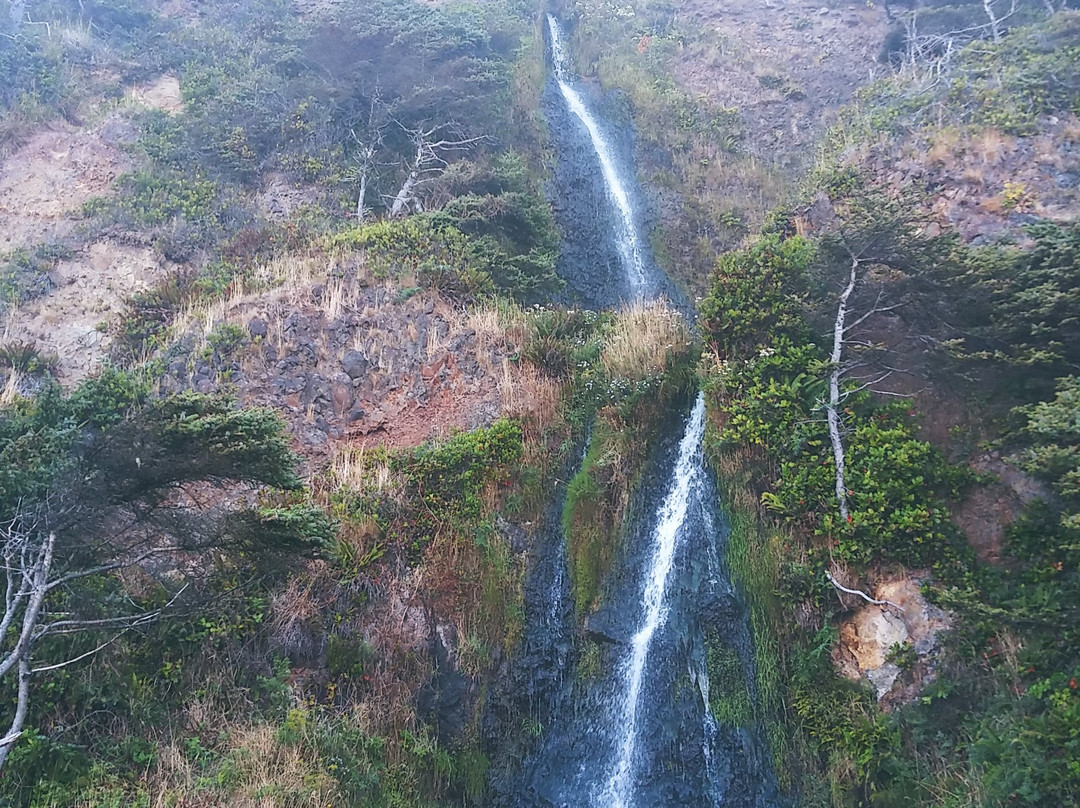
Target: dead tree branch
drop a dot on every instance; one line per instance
(428, 162)
(861, 594)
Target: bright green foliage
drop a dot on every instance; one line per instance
(446, 479)
(756, 294)
(589, 524)
(771, 385)
(436, 254)
(767, 390)
(730, 701)
(1053, 430)
(38, 436)
(894, 483)
(477, 244)
(510, 228)
(1031, 72)
(105, 456)
(513, 237)
(771, 397)
(226, 339)
(1037, 759)
(184, 206)
(1008, 85)
(839, 717)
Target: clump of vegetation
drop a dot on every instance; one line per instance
(769, 380)
(27, 358)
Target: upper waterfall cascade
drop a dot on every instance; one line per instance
(629, 244)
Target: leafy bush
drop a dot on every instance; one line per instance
(1021, 305)
(446, 479)
(756, 295)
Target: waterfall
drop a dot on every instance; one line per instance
(634, 736)
(685, 483)
(630, 248)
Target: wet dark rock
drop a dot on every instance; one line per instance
(518, 538)
(606, 625)
(446, 699)
(719, 607)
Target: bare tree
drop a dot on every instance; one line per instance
(33, 573)
(878, 235)
(369, 144)
(138, 495)
(429, 160)
(995, 20)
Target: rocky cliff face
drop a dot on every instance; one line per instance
(351, 365)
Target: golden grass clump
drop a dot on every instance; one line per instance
(365, 471)
(264, 771)
(990, 145)
(642, 339)
(9, 393)
(497, 323)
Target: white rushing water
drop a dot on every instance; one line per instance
(686, 479)
(630, 247)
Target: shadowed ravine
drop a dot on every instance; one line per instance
(640, 733)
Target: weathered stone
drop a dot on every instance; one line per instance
(604, 625)
(355, 364)
(257, 328)
(342, 396)
(518, 538)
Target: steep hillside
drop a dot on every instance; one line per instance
(310, 495)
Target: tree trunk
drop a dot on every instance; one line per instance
(405, 195)
(42, 568)
(360, 199)
(15, 730)
(831, 409)
(994, 28)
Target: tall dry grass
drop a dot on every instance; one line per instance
(364, 471)
(10, 391)
(263, 772)
(643, 337)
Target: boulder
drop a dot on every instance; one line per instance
(355, 364)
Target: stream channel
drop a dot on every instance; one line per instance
(639, 735)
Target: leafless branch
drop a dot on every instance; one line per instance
(860, 593)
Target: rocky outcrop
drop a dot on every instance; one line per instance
(382, 370)
(894, 650)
